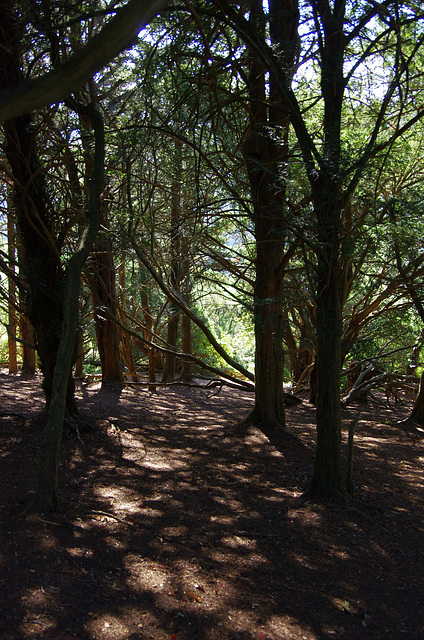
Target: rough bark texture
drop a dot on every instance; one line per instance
(47, 490)
(266, 154)
(40, 258)
(40, 261)
(417, 414)
(327, 194)
(327, 477)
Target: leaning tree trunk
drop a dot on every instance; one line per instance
(47, 496)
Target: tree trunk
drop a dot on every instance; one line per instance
(127, 354)
(47, 491)
(29, 360)
(417, 414)
(186, 346)
(39, 259)
(169, 373)
(103, 291)
(13, 316)
(266, 154)
(327, 475)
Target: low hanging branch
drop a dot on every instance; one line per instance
(174, 297)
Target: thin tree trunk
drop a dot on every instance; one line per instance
(29, 354)
(186, 346)
(169, 373)
(127, 355)
(47, 491)
(13, 316)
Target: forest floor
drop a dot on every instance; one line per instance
(173, 526)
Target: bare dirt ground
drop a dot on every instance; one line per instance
(174, 527)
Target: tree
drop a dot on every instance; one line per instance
(338, 31)
(53, 288)
(266, 155)
(118, 34)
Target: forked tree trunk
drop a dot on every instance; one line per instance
(47, 490)
(266, 154)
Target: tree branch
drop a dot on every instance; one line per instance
(118, 34)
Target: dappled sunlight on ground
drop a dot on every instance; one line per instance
(174, 527)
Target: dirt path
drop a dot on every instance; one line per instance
(173, 527)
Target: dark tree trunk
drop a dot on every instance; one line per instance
(47, 491)
(417, 414)
(169, 373)
(266, 155)
(40, 256)
(13, 314)
(327, 476)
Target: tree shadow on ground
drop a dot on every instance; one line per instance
(174, 527)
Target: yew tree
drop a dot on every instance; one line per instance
(344, 40)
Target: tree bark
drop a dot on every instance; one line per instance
(47, 491)
(327, 476)
(125, 339)
(105, 304)
(266, 155)
(13, 318)
(169, 372)
(417, 414)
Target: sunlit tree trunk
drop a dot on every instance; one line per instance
(29, 354)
